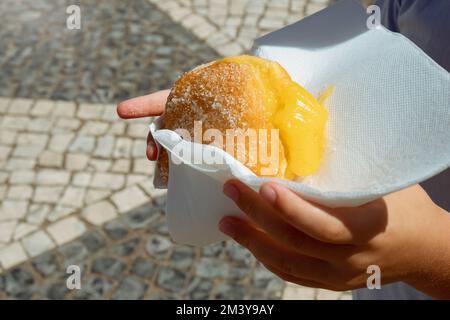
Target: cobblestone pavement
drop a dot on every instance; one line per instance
(230, 26)
(75, 186)
(124, 49)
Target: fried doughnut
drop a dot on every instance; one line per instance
(249, 94)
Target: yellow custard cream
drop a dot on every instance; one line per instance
(296, 113)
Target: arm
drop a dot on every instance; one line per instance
(404, 233)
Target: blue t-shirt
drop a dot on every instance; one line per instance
(427, 24)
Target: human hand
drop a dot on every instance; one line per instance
(145, 106)
(405, 234)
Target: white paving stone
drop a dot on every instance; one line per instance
(42, 108)
(13, 209)
(52, 177)
(323, 294)
(37, 243)
(76, 161)
(295, 292)
(3, 189)
(8, 137)
(121, 166)
(94, 128)
(130, 198)
(20, 164)
(23, 229)
(105, 146)
(64, 109)
(81, 179)
(60, 142)
(60, 211)
(99, 165)
(4, 104)
(73, 196)
(3, 176)
(149, 188)
(20, 192)
(122, 148)
(50, 158)
(12, 255)
(90, 111)
(5, 152)
(40, 125)
(66, 230)
(15, 122)
(37, 213)
(20, 106)
(7, 230)
(139, 148)
(94, 195)
(117, 128)
(143, 165)
(133, 179)
(32, 139)
(68, 124)
(27, 151)
(99, 213)
(108, 181)
(83, 144)
(45, 194)
(138, 130)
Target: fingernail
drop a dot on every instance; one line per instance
(231, 192)
(227, 228)
(268, 193)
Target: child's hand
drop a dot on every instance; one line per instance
(404, 233)
(145, 106)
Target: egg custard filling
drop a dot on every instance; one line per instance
(296, 113)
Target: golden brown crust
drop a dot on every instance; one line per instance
(222, 95)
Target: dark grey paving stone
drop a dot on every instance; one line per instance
(230, 291)
(108, 266)
(158, 246)
(182, 257)
(144, 267)
(126, 248)
(95, 288)
(57, 291)
(93, 241)
(171, 279)
(73, 253)
(116, 229)
(46, 264)
(212, 268)
(124, 49)
(19, 283)
(130, 289)
(199, 288)
(142, 217)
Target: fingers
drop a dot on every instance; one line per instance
(305, 216)
(143, 106)
(265, 216)
(152, 150)
(270, 253)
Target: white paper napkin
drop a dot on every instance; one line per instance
(389, 123)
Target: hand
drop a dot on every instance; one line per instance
(145, 106)
(404, 233)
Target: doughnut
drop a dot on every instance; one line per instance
(282, 125)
